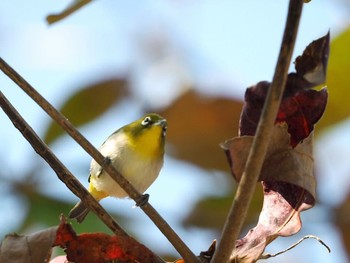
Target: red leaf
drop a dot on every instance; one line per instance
(300, 107)
(301, 112)
(100, 247)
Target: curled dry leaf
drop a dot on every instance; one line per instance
(100, 247)
(282, 162)
(31, 248)
(287, 172)
(288, 187)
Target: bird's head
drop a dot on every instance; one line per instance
(148, 133)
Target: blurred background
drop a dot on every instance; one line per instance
(113, 60)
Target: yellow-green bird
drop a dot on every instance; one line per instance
(137, 151)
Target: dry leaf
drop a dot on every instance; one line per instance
(300, 107)
(282, 162)
(288, 186)
(100, 247)
(287, 176)
(28, 249)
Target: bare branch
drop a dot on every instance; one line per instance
(240, 205)
(162, 225)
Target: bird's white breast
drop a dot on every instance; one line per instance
(139, 170)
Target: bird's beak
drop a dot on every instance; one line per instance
(162, 123)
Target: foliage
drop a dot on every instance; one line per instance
(207, 114)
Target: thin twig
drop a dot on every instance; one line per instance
(240, 205)
(71, 9)
(266, 256)
(149, 210)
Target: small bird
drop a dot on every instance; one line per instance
(136, 150)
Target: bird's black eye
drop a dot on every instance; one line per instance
(146, 121)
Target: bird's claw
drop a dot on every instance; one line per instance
(142, 200)
(107, 160)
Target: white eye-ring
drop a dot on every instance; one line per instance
(146, 121)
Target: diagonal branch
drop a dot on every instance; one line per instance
(240, 205)
(162, 225)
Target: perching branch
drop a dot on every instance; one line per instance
(245, 190)
(162, 225)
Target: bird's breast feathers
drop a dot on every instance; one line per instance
(139, 168)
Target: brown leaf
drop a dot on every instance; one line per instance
(312, 64)
(288, 185)
(197, 124)
(27, 249)
(280, 216)
(282, 162)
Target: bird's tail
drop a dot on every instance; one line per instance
(79, 212)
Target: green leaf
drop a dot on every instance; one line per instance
(88, 104)
(45, 211)
(211, 212)
(338, 79)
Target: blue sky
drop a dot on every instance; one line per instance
(219, 47)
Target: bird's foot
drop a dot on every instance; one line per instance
(107, 160)
(142, 200)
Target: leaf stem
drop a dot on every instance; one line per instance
(245, 190)
(266, 256)
(149, 210)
